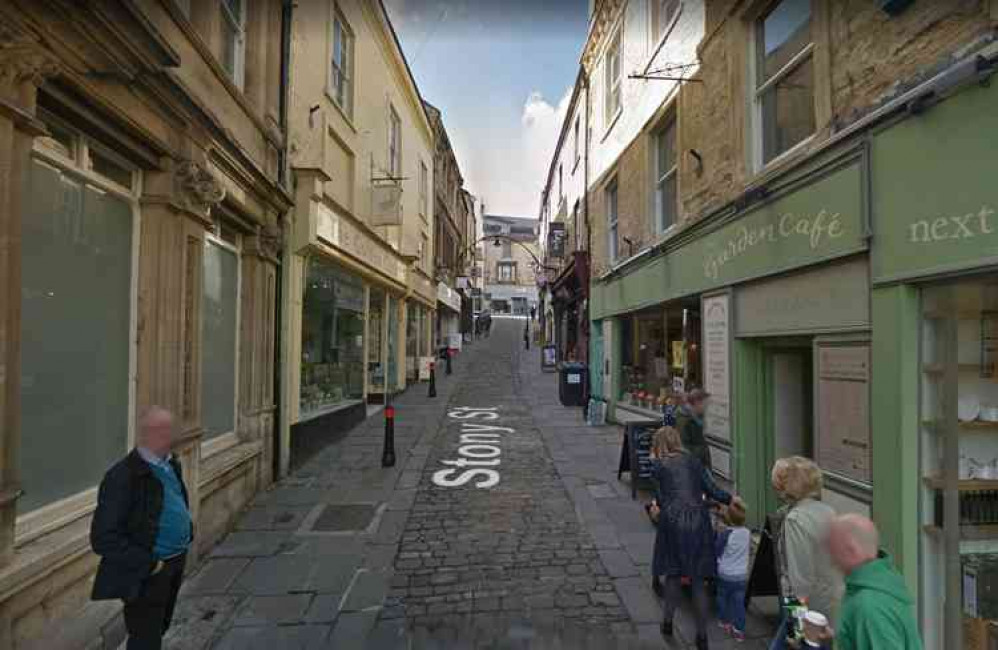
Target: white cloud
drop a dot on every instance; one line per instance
(507, 167)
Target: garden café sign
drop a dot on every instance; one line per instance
(811, 231)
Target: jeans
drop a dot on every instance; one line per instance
(674, 595)
(731, 602)
(148, 616)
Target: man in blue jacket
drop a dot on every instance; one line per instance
(142, 530)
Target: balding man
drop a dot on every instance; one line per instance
(142, 529)
(877, 611)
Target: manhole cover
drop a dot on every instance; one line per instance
(344, 517)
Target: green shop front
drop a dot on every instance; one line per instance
(766, 307)
(935, 314)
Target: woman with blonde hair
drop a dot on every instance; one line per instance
(684, 539)
(806, 571)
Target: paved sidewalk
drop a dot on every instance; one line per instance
(346, 554)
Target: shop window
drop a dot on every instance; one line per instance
(663, 13)
(411, 342)
(611, 219)
(666, 174)
(59, 140)
(341, 64)
(107, 167)
(233, 25)
(219, 336)
(376, 334)
(612, 74)
(394, 143)
(784, 78)
(332, 367)
(77, 246)
(959, 447)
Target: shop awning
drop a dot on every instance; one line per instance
(573, 282)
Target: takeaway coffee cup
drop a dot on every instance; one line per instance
(815, 628)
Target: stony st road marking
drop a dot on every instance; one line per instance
(479, 449)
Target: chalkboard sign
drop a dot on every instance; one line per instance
(635, 452)
(764, 579)
(549, 358)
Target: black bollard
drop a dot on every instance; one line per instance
(433, 380)
(388, 454)
(526, 337)
(448, 368)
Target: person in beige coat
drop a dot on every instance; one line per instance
(806, 570)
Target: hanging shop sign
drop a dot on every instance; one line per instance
(821, 221)
(716, 312)
(935, 201)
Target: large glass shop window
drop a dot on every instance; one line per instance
(75, 343)
(332, 369)
(375, 349)
(959, 448)
(411, 347)
(219, 329)
(393, 335)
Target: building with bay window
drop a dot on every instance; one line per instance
(359, 294)
(143, 213)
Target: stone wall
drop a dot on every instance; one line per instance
(862, 58)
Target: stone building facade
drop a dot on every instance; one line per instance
(510, 264)
(142, 203)
(359, 293)
(813, 144)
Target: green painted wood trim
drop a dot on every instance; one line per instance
(895, 386)
(749, 437)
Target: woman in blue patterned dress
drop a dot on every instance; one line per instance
(684, 541)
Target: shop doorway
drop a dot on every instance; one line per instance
(790, 419)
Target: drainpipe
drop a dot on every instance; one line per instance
(287, 7)
(589, 231)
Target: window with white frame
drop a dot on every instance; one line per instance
(233, 26)
(611, 220)
(341, 63)
(663, 13)
(79, 233)
(611, 71)
(506, 272)
(424, 189)
(784, 79)
(394, 143)
(219, 331)
(575, 143)
(666, 173)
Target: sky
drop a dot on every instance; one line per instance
(501, 72)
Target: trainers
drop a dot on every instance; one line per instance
(737, 634)
(724, 626)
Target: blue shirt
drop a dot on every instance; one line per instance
(174, 534)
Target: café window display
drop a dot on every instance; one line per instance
(332, 369)
(78, 232)
(659, 354)
(959, 457)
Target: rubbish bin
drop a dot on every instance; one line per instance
(572, 384)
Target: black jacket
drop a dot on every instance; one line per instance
(691, 433)
(125, 525)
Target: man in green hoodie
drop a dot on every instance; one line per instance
(876, 612)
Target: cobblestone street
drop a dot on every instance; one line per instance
(346, 554)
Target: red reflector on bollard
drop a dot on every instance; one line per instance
(389, 412)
